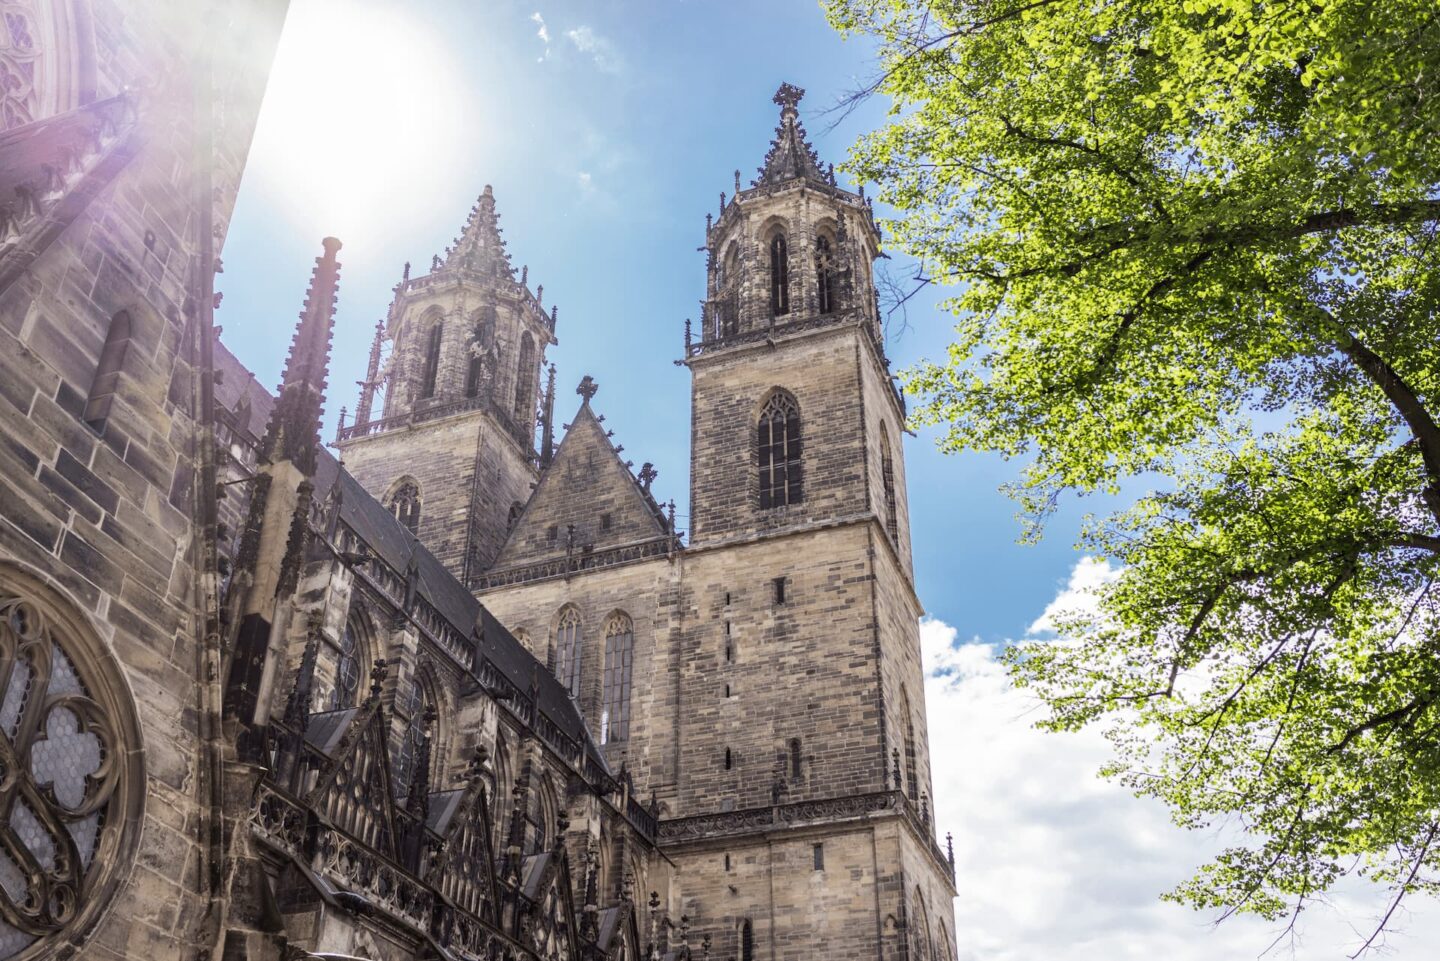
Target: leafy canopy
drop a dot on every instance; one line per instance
(1195, 243)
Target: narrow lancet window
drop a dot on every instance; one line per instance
(526, 379)
(567, 650)
(778, 438)
(619, 652)
(825, 275)
(887, 481)
(431, 371)
(779, 276)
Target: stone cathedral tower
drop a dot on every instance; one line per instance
(761, 682)
(452, 453)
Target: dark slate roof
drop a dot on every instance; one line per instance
(396, 546)
(532, 871)
(609, 924)
(326, 729)
(443, 805)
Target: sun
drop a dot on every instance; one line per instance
(365, 122)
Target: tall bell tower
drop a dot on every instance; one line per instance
(452, 452)
(798, 806)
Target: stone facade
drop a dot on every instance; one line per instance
(465, 694)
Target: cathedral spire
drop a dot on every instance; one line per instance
(791, 157)
(294, 430)
(480, 247)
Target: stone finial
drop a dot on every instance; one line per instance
(587, 388)
(405, 274)
(648, 473)
(737, 180)
(435, 263)
(377, 677)
(524, 274)
(789, 96)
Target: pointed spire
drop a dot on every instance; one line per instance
(480, 248)
(547, 419)
(791, 157)
(294, 430)
(365, 408)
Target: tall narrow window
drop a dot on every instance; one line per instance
(525, 381)
(405, 505)
(107, 372)
(795, 758)
(431, 371)
(778, 438)
(729, 759)
(619, 650)
(824, 275)
(779, 276)
(729, 303)
(887, 480)
(347, 669)
(567, 650)
(415, 741)
(472, 375)
(817, 853)
(747, 941)
(912, 774)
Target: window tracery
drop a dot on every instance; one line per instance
(405, 505)
(827, 287)
(619, 653)
(349, 661)
(74, 778)
(20, 65)
(417, 737)
(778, 439)
(430, 372)
(567, 650)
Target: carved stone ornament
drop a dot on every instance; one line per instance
(72, 775)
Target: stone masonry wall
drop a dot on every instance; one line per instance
(103, 512)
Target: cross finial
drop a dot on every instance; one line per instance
(788, 96)
(587, 388)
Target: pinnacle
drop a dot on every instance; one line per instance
(791, 156)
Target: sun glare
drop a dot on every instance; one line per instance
(365, 120)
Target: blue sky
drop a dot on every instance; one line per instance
(607, 139)
(608, 130)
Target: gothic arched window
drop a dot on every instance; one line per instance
(825, 275)
(416, 739)
(747, 941)
(728, 305)
(431, 371)
(778, 437)
(779, 275)
(547, 813)
(526, 379)
(349, 668)
(619, 651)
(887, 482)
(567, 650)
(107, 372)
(405, 505)
(472, 375)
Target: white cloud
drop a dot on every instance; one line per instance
(543, 32)
(1052, 862)
(1079, 595)
(585, 181)
(598, 48)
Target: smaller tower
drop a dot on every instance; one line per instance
(453, 450)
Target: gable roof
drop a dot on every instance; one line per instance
(588, 497)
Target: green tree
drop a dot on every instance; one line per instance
(1194, 245)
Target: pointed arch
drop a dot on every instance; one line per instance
(887, 483)
(108, 370)
(747, 940)
(568, 646)
(779, 274)
(430, 366)
(619, 654)
(404, 502)
(920, 947)
(501, 798)
(727, 321)
(777, 437)
(527, 379)
(547, 814)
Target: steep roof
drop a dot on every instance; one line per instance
(587, 498)
(791, 156)
(480, 247)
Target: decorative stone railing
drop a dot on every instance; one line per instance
(723, 824)
(576, 562)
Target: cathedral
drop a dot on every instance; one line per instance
(453, 686)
